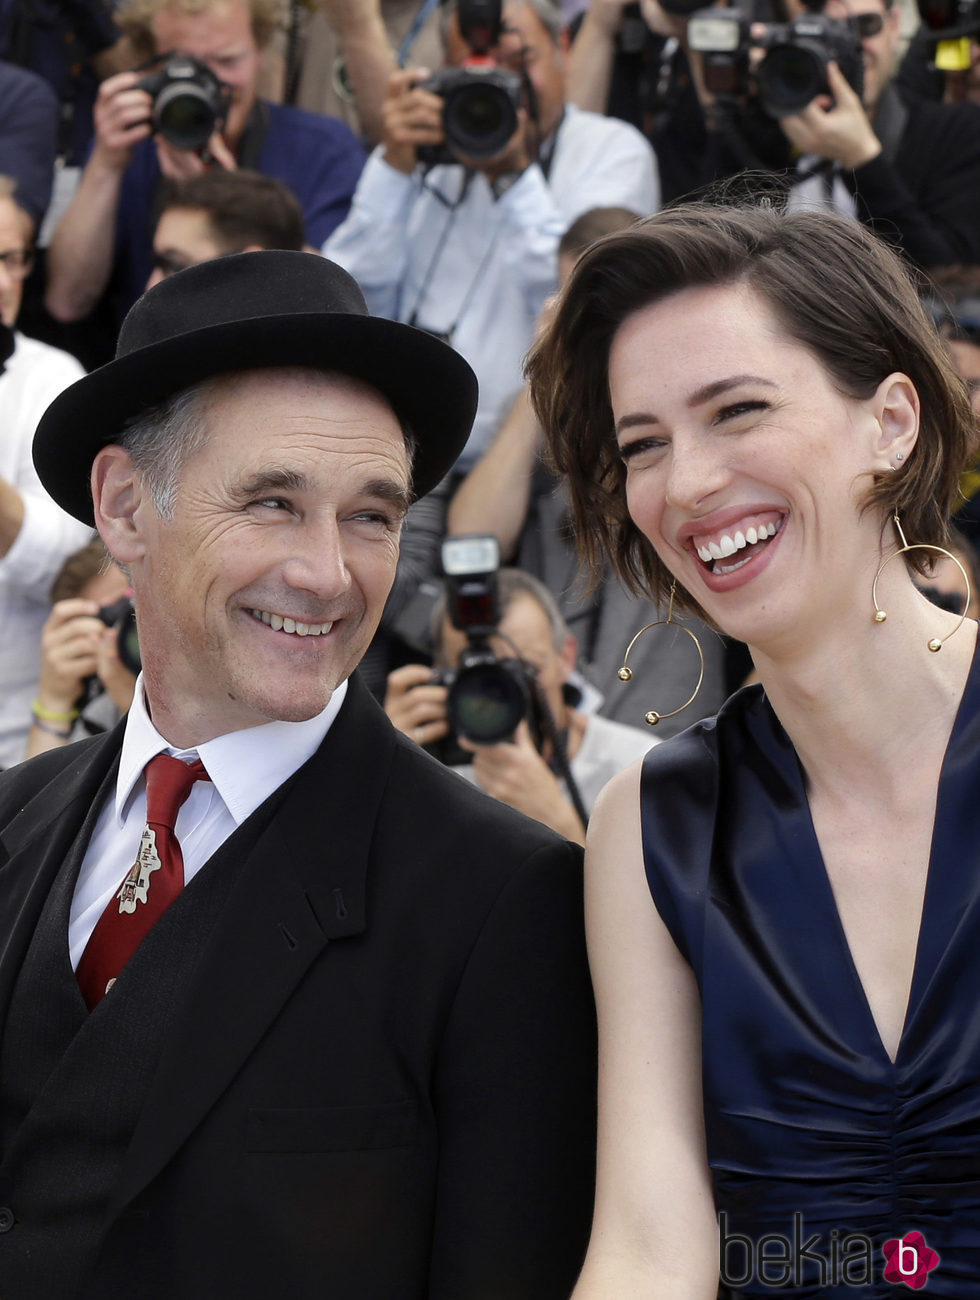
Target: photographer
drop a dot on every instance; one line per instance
(632, 61)
(515, 771)
(910, 170)
(511, 494)
(77, 645)
(106, 230)
(467, 248)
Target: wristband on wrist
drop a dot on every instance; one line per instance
(61, 732)
(49, 715)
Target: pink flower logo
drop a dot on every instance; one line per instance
(909, 1261)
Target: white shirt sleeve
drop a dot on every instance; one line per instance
(35, 375)
(371, 244)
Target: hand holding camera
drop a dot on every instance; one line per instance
(122, 119)
(435, 119)
(80, 641)
(178, 99)
(416, 703)
(834, 126)
(411, 119)
(189, 108)
(474, 114)
(514, 772)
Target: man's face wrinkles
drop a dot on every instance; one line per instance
(265, 588)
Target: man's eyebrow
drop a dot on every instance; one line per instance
(700, 395)
(273, 480)
(268, 482)
(390, 490)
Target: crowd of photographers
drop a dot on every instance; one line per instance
(456, 156)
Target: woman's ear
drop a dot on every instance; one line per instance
(895, 406)
(117, 492)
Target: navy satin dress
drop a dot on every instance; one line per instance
(816, 1140)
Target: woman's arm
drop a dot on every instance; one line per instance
(654, 1234)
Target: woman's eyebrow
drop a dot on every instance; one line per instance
(707, 393)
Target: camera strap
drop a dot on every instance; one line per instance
(430, 270)
(426, 9)
(559, 750)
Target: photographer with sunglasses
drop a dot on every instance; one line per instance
(910, 170)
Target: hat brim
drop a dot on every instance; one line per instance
(430, 387)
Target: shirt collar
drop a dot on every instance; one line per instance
(244, 766)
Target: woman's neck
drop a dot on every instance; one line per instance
(866, 701)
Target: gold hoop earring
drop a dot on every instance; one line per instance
(625, 673)
(937, 642)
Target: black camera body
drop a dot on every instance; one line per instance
(793, 70)
(479, 112)
(480, 99)
(189, 102)
(489, 697)
(122, 617)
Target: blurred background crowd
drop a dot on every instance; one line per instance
(457, 157)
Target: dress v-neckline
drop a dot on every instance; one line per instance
(926, 955)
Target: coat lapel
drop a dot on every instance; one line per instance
(301, 885)
(35, 845)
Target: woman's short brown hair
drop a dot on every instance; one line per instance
(836, 288)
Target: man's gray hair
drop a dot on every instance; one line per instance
(164, 437)
(549, 15)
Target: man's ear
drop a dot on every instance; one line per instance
(895, 406)
(117, 494)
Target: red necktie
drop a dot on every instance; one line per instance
(151, 884)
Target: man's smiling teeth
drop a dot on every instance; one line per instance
(728, 545)
(280, 624)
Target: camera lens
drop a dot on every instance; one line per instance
(184, 115)
(486, 704)
(479, 120)
(790, 76)
(129, 645)
(122, 617)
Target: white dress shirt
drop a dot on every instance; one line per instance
(245, 767)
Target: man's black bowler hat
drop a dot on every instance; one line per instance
(244, 312)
